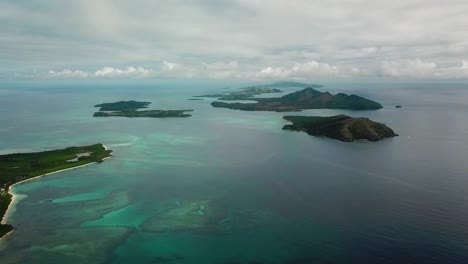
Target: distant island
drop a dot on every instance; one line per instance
(340, 127)
(249, 92)
(16, 168)
(131, 109)
(285, 84)
(308, 98)
(244, 94)
(147, 113)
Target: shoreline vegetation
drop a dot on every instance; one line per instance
(19, 168)
(131, 109)
(340, 127)
(308, 98)
(249, 92)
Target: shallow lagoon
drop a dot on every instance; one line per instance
(279, 196)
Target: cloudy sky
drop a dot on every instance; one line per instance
(238, 39)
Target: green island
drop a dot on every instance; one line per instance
(340, 127)
(308, 98)
(244, 94)
(248, 93)
(15, 168)
(131, 109)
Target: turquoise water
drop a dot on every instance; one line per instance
(229, 186)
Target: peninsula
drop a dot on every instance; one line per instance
(340, 127)
(244, 94)
(248, 93)
(308, 98)
(131, 109)
(16, 168)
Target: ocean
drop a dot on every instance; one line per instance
(262, 195)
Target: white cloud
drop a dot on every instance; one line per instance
(176, 70)
(66, 74)
(215, 70)
(236, 37)
(402, 69)
(223, 70)
(270, 72)
(305, 70)
(419, 69)
(409, 68)
(169, 66)
(130, 71)
(464, 65)
(105, 72)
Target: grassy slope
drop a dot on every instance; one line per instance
(123, 106)
(22, 166)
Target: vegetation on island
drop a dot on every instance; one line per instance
(249, 93)
(18, 167)
(131, 109)
(147, 113)
(244, 94)
(123, 106)
(307, 98)
(340, 127)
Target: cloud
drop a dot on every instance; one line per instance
(419, 69)
(68, 74)
(409, 68)
(308, 70)
(169, 66)
(224, 70)
(130, 71)
(248, 38)
(103, 73)
(214, 70)
(464, 65)
(230, 70)
(176, 70)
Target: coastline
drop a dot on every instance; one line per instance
(7, 235)
(15, 199)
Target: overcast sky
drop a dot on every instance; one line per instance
(239, 39)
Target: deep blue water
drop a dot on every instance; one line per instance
(283, 197)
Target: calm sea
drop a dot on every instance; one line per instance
(279, 197)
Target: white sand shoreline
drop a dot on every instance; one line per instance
(14, 198)
(7, 235)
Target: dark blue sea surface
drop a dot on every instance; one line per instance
(226, 186)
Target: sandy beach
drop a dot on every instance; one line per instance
(15, 199)
(7, 235)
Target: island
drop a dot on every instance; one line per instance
(245, 93)
(285, 84)
(147, 113)
(308, 98)
(249, 92)
(16, 168)
(123, 106)
(131, 109)
(340, 127)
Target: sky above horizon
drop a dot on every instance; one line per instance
(234, 40)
